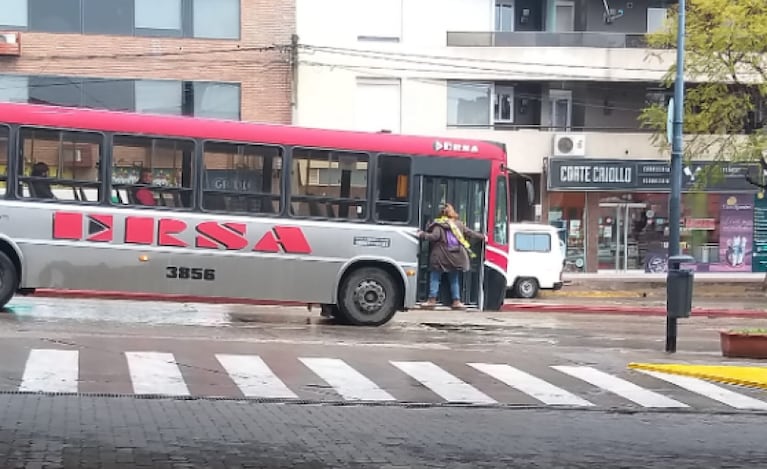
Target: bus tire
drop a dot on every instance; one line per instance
(9, 279)
(368, 297)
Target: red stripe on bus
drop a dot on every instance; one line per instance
(292, 239)
(268, 243)
(139, 230)
(67, 225)
(167, 228)
(497, 259)
(100, 228)
(211, 234)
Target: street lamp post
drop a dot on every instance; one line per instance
(676, 165)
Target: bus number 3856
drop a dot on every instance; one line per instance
(194, 273)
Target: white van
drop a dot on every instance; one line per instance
(536, 259)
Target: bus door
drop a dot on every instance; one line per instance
(469, 197)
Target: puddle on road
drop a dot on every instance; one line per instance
(47, 310)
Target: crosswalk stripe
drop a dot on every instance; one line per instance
(443, 383)
(621, 387)
(710, 390)
(254, 377)
(155, 373)
(49, 370)
(347, 381)
(531, 385)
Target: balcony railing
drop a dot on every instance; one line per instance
(546, 39)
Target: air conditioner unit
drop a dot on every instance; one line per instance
(569, 145)
(10, 43)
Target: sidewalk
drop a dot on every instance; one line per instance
(63, 432)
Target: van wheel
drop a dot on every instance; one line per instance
(368, 297)
(526, 288)
(9, 279)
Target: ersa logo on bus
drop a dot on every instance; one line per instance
(149, 231)
(445, 145)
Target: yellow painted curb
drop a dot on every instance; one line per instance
(751, 376)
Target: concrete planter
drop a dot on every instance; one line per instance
(744, 344)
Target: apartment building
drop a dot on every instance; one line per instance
(560, 82)
(211, 58)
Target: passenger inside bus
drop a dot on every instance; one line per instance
(40, 189)
(143, 195)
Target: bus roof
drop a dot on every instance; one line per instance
(247, 132)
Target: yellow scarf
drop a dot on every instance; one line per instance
(457, 233)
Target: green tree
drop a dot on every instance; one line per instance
(725, 51)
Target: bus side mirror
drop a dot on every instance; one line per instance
(530, 192)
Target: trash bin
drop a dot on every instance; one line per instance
(679, 284)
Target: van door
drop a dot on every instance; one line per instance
(469, 197)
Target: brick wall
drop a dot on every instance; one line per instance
(265, 77)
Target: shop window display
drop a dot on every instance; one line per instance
(567, 213)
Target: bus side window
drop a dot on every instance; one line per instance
(329, 184)
(392, 199)
(60, 165)
(241, 178)
(4, 156)
(150, 171)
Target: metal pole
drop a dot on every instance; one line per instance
(676, 164)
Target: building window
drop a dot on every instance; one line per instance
(152, 171)
(392, 202)
(504, 15)
(217, 100)
(378, 104)
(242, 178)
(217, 19)
(60, 165)
(329, 184)
(379, 20)
(14, 89)
(532, 242)
(561, 102)
(55, 91)
(108, 17)
(159, 97)
(158, 17)
(108, 93)
(14, 13)
(468, 104)
(504, 104)
(55, 16)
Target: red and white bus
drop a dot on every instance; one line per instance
(108, 201)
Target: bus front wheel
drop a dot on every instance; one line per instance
(9, 279)
(368, 297)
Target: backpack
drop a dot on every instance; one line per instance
(451, 241)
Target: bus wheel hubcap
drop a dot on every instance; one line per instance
(369, 296)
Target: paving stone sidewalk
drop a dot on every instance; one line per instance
(38, 431)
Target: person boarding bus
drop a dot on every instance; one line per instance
(449, 253)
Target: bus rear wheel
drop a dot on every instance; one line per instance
(368, 297)
(9, 280)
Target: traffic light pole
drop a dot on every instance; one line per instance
(675, 203)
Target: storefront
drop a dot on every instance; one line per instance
(613, 215)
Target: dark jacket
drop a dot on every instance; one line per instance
(440, 258)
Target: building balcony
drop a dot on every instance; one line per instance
(605, 40)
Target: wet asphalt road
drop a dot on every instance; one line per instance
(132, 384)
